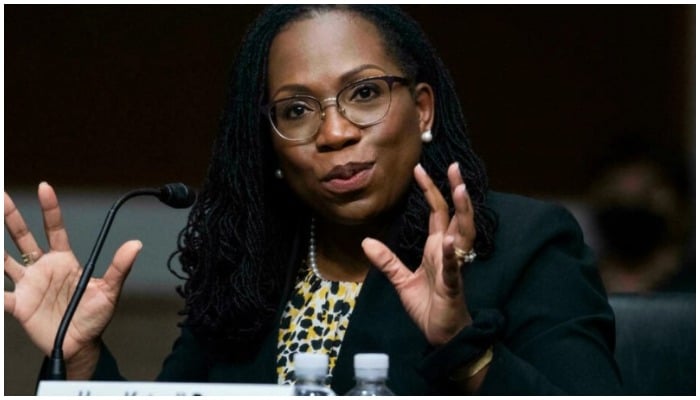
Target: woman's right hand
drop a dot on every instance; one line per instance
(43, 288)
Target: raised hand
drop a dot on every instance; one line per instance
(433, 295)
(45, 281)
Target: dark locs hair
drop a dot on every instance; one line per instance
(242, 243)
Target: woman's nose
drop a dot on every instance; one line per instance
(336, 131)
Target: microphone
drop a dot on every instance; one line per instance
(177, 195)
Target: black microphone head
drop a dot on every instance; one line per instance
(177, 195)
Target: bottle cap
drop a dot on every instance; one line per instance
(371, 365)
(310, 364)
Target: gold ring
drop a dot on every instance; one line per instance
(29, 258)
(464, 255)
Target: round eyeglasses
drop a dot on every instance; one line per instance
(364, 103)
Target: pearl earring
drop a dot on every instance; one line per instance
(279, 174)
(426, 136)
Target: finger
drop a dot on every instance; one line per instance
(53, 221)
(454, 175)
(386, 261)
(121, 265)
(13, 269)
(9, 302)
(17, 228)
(439, 211)
(452, 266)
(462, 225)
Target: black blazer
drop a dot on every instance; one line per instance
(538, 299)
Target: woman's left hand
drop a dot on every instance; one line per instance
(433, 294)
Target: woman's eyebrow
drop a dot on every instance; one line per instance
(351, 73)
(292, 87)
(346, 77)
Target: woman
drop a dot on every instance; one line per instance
(344, 212)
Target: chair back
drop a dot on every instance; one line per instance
(655, 346)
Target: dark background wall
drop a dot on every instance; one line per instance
(101, 96)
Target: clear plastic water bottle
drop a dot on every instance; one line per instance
(371, 372)
(310, 370)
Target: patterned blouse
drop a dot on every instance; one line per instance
(314, 320)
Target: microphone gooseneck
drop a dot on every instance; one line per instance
(177, 195)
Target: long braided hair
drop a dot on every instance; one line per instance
(243, 241)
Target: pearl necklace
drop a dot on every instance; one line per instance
(312, 250)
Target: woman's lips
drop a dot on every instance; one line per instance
(348, 178)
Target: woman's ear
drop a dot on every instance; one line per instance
(425, 105)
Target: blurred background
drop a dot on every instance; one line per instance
(592, 106)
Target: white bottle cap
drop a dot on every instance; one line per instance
(310, 364)
(371, 365)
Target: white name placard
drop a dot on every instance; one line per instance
(136, 388)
